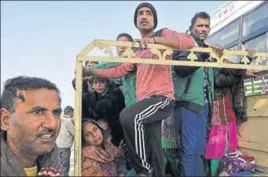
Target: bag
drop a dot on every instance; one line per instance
(233, 163)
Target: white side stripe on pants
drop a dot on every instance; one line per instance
(139, 130)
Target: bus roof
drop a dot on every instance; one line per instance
(229, 11)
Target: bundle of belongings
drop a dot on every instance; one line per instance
(233, 163)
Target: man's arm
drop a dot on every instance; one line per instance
(110, 73)
(108, 65)
(175, 40)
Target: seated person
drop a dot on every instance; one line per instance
(105, 102)
(99, 156)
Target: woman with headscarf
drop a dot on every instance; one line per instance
(99, 156)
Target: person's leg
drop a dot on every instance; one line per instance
(187, 125)
(201, 140)
(136, 121)
(214, 166)
(170, 145)
(68, 157)
(172, 161)
(206, 167)
(116, 132)
(157, 159)
(65, 154)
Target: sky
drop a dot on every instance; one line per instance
(42, 38)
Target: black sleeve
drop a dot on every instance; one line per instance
(183, 71)
(225, 78)
(85, 107)
(113, 102)
(88, 101)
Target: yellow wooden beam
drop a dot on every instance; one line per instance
(171, 62)
(78, 120)
(163, 51)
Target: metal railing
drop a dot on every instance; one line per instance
(129, 57)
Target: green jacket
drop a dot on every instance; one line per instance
(193, 91)
(191, 81)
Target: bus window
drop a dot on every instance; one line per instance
(257, 44)
(228, 34)
(255, 20)
(235, 59)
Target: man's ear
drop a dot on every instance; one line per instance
(5, 119)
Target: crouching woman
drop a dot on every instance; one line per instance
(99, 156)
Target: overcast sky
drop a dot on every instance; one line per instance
(42, 38)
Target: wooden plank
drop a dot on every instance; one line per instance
(253, 134)
(261, 158)
(253, 139)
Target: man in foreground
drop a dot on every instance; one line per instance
(30, 121)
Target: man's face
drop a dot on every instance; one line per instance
(35, 124)
(201, 29)
(121, 50)
(145, 19)
(99, 85)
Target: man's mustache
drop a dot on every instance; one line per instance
(45, 132)
(144, 21)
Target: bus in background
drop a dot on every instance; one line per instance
(240, 25)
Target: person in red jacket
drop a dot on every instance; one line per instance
(155, 98)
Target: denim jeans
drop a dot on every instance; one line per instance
(192, 129)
